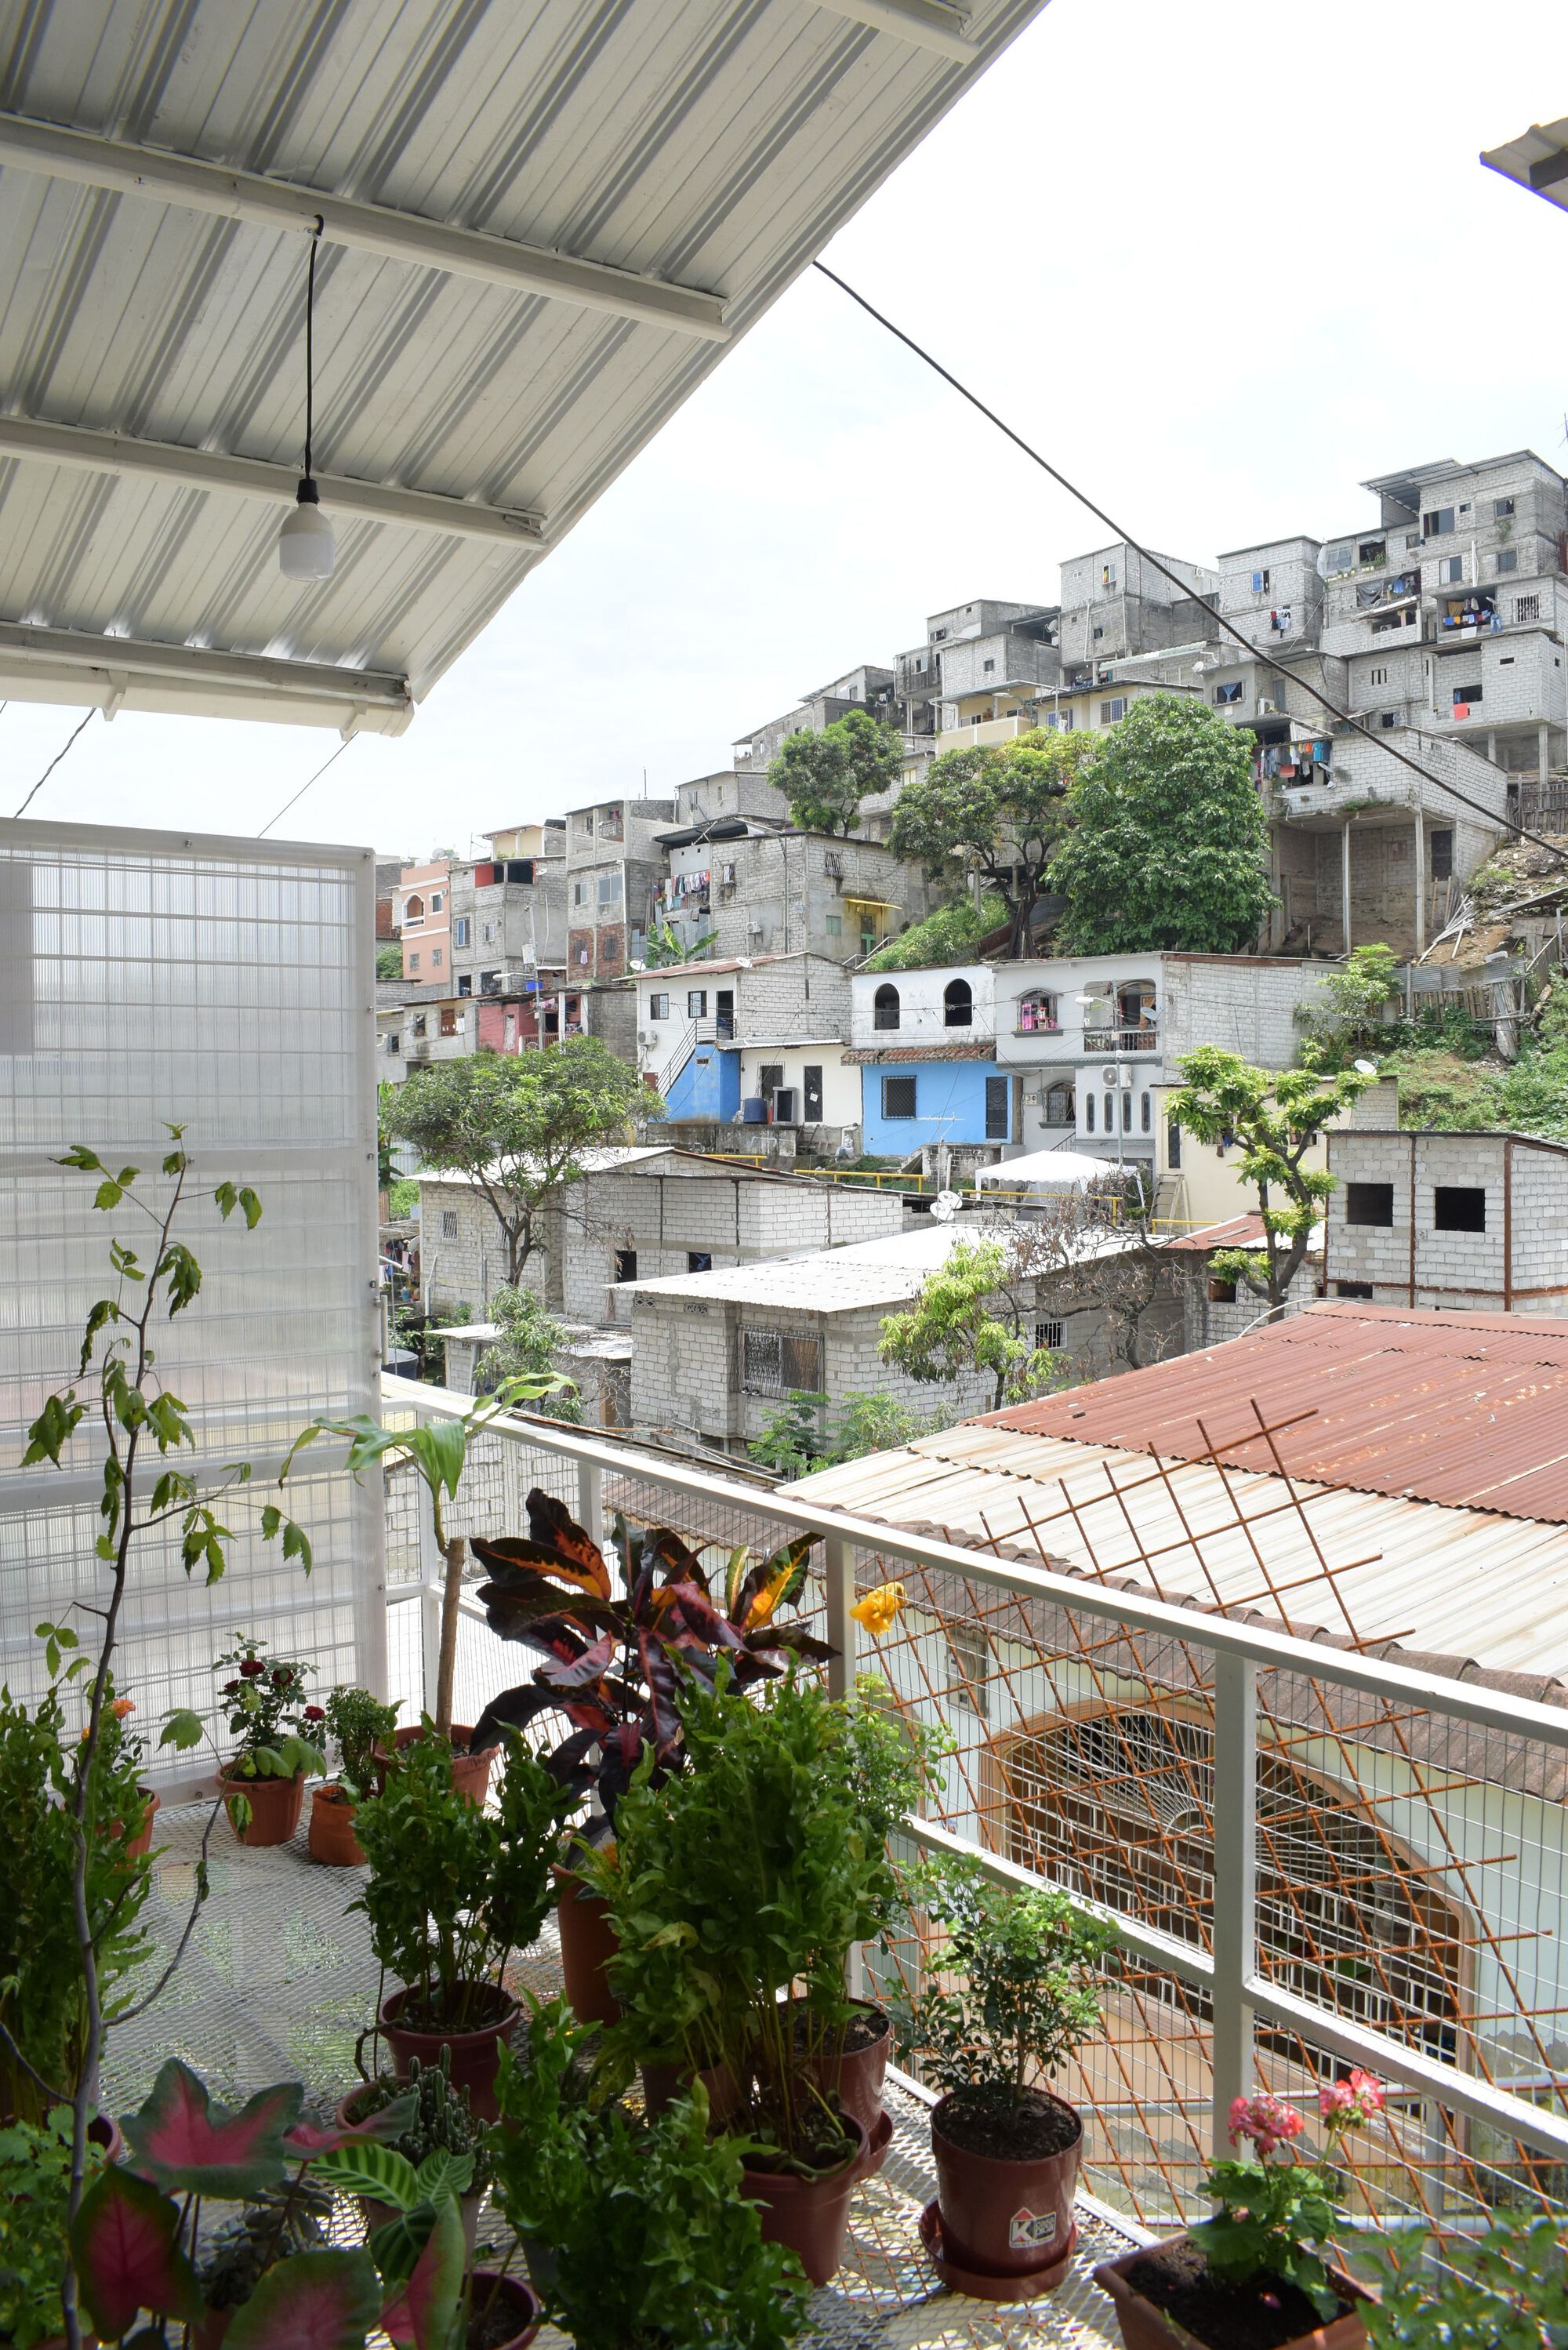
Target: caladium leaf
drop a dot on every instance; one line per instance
(125, 2247)
(378, 2171)
(185, 2143)
(423, 2316)
(772, 1585)
(313, 2301)
(389, 2121)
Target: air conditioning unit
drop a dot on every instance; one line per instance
(785, 1112)
(1267, 708)
(1109, 1076)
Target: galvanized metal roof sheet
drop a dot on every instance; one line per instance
(706, 145)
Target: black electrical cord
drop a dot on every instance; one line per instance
(55, 762)
(316, 236)
(1343, 717)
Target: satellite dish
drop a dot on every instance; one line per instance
(945, 1206)
(1365, 1068)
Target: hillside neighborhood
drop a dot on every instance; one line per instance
(783, 1513)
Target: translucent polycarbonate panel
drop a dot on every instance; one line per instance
(227, 987)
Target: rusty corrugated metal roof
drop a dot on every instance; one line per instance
(1468, 1409)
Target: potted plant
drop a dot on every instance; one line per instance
(46, 2025)
(645, 2236)
(613, 1661)
(441, 2123)
(1260, 2270)
(356, 1724)
(453, 1892)
(1506, 2289)
(1006, 2150)
(737, 1891)
(264, 1779)
(35, 2200)
(269, 2276)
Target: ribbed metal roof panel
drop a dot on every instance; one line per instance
(715, 145)
(1469, 1409)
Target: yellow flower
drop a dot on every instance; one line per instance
(880, 1609)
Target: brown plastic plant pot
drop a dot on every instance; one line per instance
(979, 2283)
(1146, 2327)
(855, 2080)
(588, 1943)
(470, 1772)
(809, 2216)
(662, 2083)
(331, 1836)
(516, 2296)
(276, 1806)
(475, 2054)
(376, 2215)
(135, 1845)
(1002, 2218)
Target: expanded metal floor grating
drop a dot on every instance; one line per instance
(279, 1982)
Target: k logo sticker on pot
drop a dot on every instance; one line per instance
(1030, 2231)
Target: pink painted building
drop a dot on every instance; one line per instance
(424, 899)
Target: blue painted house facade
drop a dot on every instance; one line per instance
(905, 1104)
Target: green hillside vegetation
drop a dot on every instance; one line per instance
(952, 934)
(1440, 1085)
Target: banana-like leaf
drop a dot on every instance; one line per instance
(521, 1565)
(188, 2145)
(378, 2171)
(126, 2250)
(313, 2301)
(772, 1585)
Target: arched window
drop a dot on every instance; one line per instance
(958, 1004)
(414, 909)
(1089, 1113)
(1147, 1119)
(885, 1008)
(1037, 1012)
(1126, 1113)
(1059, 1105)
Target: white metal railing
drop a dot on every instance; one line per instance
(1233, 1651)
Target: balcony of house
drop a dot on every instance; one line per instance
(970, 733)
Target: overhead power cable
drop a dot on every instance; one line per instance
(55, 762)
(299, 795)
(1343, 717)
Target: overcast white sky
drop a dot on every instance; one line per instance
(1222, 264)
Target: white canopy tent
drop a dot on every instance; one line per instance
(540, 227)
(1050, 1170)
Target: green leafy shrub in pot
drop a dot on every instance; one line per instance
(647, 2242)
(44, 2019)
(358, 1725)
(1505, 2290)
(748, 1878)
(277, 1730)
(453, 1892)
(35, 2213)
(1025, 1963)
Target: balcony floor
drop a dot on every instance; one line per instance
(277, 1984)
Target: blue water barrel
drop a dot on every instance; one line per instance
(753, 1111)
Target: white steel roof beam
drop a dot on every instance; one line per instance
(254, 477)
(68, 665)
(924, 24)
(170, 179)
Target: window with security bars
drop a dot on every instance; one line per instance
(780, 1363)
(969, 1668)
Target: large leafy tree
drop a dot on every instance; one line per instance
(824, 776)
(1276, 1117)
(973, 1313)
(520, 1126)
(1168, 841)
(999, 810)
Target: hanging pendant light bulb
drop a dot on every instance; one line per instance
(306, 546)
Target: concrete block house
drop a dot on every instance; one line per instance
(1477, 1221)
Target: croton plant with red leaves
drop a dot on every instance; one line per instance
(132, 2243)
(615, 1662)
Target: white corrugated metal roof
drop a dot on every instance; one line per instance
(544, 222)
(1466, 1584)
(826, 1280)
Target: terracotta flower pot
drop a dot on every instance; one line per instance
(104, 2130)
(376, 2215)
(1002, 2217)
(662, 2083)
(276, 1806)
(810, 2216)
(135, 1845)
(475, 2054)
(491, 2292)
(856, 2079)
(1147, 2327)
(331, 1837)
(470, 1772)
(587, 1945)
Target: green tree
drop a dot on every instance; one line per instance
(796, 1439)
(662, 947)
(520, 1126)
(971, 1314)
(1358, 994)
(824, 776)
(1001, 811)
(952, 934)
(390, 961)
(1276, 1116)
(531, 1342)
(1168, 840)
